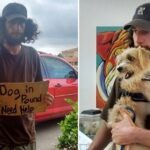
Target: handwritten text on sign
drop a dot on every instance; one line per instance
(22, 98)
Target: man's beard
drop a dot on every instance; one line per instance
(11, 40)
(143, 46)
(147, 47)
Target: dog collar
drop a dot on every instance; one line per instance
(129, 109)
(137, 97)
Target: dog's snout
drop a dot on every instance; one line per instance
(120, 68)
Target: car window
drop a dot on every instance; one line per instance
(55, 68)
(43, 68)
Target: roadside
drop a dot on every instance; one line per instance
(47, 133)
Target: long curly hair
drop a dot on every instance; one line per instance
(31, 31)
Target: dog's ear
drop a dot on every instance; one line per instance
(118, 58)
(144, 57)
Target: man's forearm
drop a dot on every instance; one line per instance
(142, 136)
(102, 137)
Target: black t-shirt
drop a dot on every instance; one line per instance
(113, 98)
(23, 67)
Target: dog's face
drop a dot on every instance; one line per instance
(132, 62)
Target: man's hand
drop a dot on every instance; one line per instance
(123, 131)
(48, 99)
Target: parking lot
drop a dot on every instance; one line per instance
(47, 133)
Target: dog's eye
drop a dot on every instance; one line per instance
(130, 58)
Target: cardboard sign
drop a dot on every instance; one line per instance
(22, 98)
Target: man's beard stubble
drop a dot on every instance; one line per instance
(13, 41)
(146, 47)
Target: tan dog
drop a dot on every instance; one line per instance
(133, 66)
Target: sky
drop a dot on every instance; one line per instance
(57, 21)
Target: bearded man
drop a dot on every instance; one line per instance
(18, 63)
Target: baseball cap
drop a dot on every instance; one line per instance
(141, 18)
(14, 10)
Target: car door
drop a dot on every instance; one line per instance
(63, 82)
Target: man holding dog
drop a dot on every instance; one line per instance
(18, 63)
(123, 133)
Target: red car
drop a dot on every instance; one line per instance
(63, 83)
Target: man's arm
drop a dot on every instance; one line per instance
(142, 136)
(102, 137)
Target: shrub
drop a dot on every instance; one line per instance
(69, 128)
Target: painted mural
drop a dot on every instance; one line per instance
(110, 42)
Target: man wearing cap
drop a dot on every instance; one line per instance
(18, 63)
(123, 133)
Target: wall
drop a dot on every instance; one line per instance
(94, 13)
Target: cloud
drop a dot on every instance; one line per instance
(57, 20)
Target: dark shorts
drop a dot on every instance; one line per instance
(31, 146)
